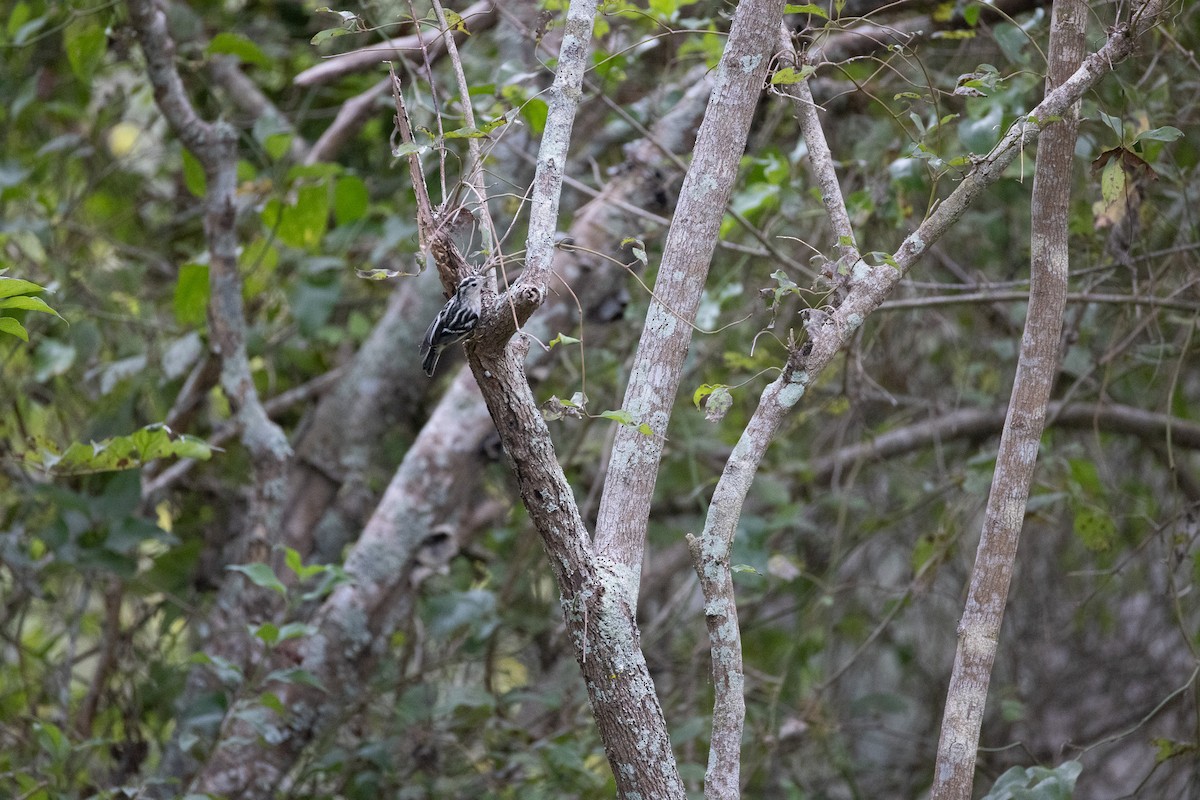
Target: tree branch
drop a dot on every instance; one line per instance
(973, 422)
(354, 623)
(562, 102)
(657, 367)
(1037, 367)
(600, 620)
(710, 558)
(479, 17)
(215, 146)
(821, 159)
(869, 285)
(350, 118)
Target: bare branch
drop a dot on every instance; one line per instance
(871, 284)
(599, 617)
(821, 159)
(215, 146)
(273, 406)
(474, 177)
(1017, 296)
(250, 99)
(710, 557)
(562, 101)
(968, 423)
(350, 118)
(657, 367)
(479, 17)
(1037, 367)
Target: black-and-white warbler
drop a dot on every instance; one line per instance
(455, 322)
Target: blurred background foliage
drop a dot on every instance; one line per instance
(850, 569)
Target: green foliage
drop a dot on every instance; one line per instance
(114, 453)
(15, 295)
(846, 580)
(1037, 783)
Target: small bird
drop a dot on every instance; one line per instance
(455, 322)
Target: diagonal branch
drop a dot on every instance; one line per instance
(710, 557)
(868, 287)
(600, 621)
(215, 146)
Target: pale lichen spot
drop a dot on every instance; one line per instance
(718, 606)
(749, 63)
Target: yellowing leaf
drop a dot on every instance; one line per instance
(509, 674)
(122, 138)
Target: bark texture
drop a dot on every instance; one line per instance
(1037, 366)
(658, 365)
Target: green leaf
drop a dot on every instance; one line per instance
(11, 326)
(85, 42)
(1095, 528)
(235, 44)
(718, 404)
(535, 112)
(294, 675)
(789, 75)
(1166, 133)
(260, 575)
(1112, 181)
(271, 700)
(638, 249)
(295, 630)
(562, 338)
(350, 199)
(52, 358)
(329, 33)
(348, 17)
(744, 568)
(805, 8)
(296, 564)
(621, 416)
(193, 175)
(378, 274)
(10, 287)
(267, 632)
(277, 145)
(408, 149)
(25, 33)
(1037, 783)
(478, 132)
(29, 304)
(191, 294)
(301, 225)
(455, 22)
(291, 557)
(116, 453)
(18, 17)
(193, 448)
(704, 390)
